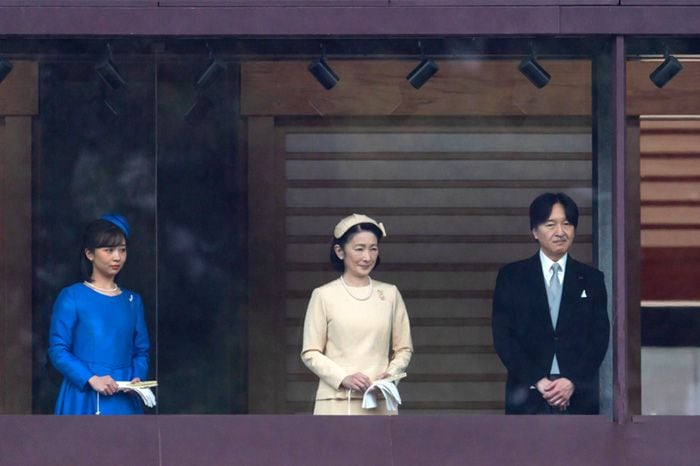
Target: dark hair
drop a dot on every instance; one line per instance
(336, 262)
(98, 234)
(541, 208)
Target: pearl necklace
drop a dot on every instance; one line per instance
(347, 288)
(104, 290)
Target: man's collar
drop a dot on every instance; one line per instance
(547, 262)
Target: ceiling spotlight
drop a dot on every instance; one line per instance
(666, 70)
(322, 71)
(424, 71)
(534, 72)
(108, 71)
(211, 74)
(5, 68)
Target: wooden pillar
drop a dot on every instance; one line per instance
(630, 355)
(626, 246)
(266, 229)
(18, 102)
(15, 266)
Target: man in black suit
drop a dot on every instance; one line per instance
(550, 322)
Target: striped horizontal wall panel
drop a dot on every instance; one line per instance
(670, 208)
(454, 199)
(423, 336)
(664, 167)
(428, 391)
(668, 237)
(461, 253)
(448, 308)
(429, 197)
(438, 170)
(438, 142)
(676, 190)
(516, 224)
(670, 216)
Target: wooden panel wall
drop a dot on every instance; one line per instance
(670, 214)
(379, 87)
(454, 197)
(679, 97)
(461, 87)
(18, 91)
(18, 102)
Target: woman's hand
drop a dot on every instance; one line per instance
(104, 385)
(134, 380)
(357, 381)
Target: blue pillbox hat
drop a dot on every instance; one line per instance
(119, 221)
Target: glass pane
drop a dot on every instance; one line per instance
(664, 112)
(232, 163)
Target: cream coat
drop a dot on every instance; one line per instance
(343, 335)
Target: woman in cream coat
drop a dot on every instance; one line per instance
(356, 329)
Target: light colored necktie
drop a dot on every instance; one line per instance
(554, 294)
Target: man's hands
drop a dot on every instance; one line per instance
(556, 393)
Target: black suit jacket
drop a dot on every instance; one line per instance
(526, 342)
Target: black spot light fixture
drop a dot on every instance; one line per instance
(666, 70)
(5, 68)
(323, 72)
(423, 72)
(108, 71)
(205, 100)
(533, 71)
(214, 70)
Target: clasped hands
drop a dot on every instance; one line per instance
(359, 382)
(556, 393)
(105, 384)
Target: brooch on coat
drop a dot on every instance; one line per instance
(380, 293)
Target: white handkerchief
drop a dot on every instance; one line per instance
(583, 294)
(388, 389)
(147, 396)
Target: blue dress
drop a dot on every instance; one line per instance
(94, 334)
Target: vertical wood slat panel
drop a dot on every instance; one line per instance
(441, 338)
(15, 266)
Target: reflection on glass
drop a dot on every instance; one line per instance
(98, 334)
(670, 239)
(227, 183)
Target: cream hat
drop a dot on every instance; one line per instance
(348, 222)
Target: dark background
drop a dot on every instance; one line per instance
(181, 187)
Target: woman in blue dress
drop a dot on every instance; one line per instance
(98, 334)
